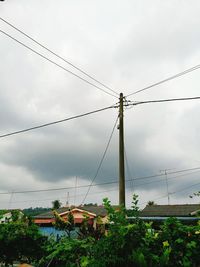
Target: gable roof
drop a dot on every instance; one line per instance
(79, 210)
(182, 210)
(93, 210)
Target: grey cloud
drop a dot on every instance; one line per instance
(123, 44)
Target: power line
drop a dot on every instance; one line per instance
(93, 185)
(173, 193)
(167, 79)
(162, 174)
(55, 122)
(135, 103)
(128, 169)
(71, 197)
(112, 190)
(60, 57)
(185, 188)
(161, 180)
(58, 65)
(101, 161)
(54, 189)
(99, 192)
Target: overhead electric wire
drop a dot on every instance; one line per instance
(128, 169)
(101, 161)
(171, 178)
(58, 65)
(51, 199)
(55, 122)
(98, 184)
(111, 190)
(135, 103)
(173, 193)
(55, 54)
(185, 188)
(157, 198)
(163, 174)
(166, 80)
(105, 191)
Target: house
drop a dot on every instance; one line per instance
(183, 212)
(46, 220)
(79, 213)
(7, 215)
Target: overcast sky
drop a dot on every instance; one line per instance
(126, 45)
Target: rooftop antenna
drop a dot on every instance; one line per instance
(67, 202)
(167, 186)
(75, 190)
(10, 200)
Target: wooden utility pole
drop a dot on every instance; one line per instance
(121, 152)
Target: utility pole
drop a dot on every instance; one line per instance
(121, 152)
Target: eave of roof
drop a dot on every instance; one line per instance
(182, 210)
(91, 210)
(157, 218)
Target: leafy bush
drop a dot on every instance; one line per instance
(183, 242)
(67, 252)
(20, 241)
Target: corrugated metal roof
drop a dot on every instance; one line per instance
(170, 210)
(49, 214)
(98, 210)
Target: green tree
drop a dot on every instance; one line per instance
(67, 252)
(90, 204)
(20, 241)
(56, 204)
(65, 225)
(35, 211)
(151, 203)
(15, 215)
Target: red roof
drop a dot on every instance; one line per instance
(41, 221)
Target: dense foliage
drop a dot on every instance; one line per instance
(123, 244)
(2, 212)
(129, 244)
(20, 241)
(56, 204)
